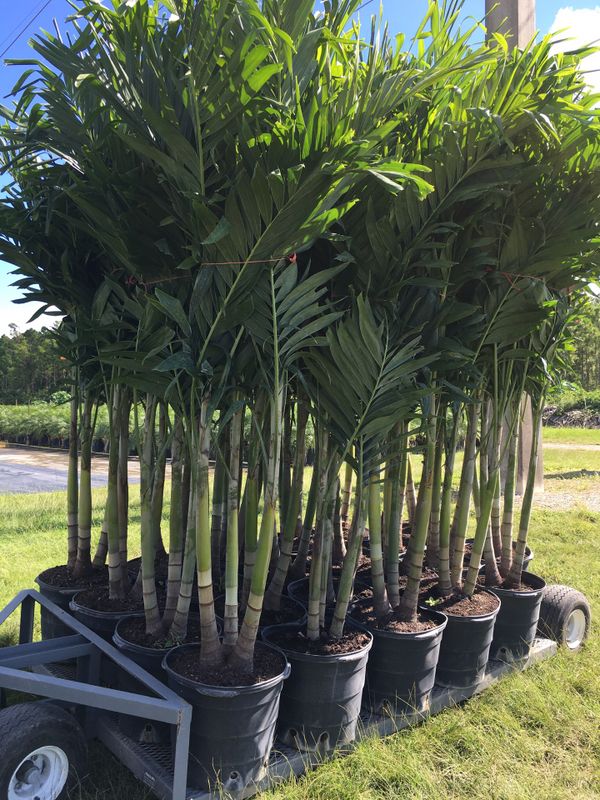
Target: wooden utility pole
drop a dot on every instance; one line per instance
(515, 19)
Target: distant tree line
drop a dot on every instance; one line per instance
(586, 346)
(31, 367)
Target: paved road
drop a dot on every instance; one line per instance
(26, 471)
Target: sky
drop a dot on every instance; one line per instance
(581, 18)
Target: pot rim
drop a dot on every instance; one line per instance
(487, 615)
(429, 633)
(318, 657)
(74, 606)
(502, 591)
(225, 691)
(58, 589)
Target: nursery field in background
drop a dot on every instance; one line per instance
(534, 736)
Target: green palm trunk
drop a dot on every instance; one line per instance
(382, 605)
(445, 583)
(418, 540)
(176, 522)
(147, 532)
(72, 477)
(83, 564)
(115, 571)
(398, 477)
(230, 631)
(461, 511)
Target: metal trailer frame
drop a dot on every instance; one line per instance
(161, 767)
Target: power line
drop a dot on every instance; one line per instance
(24, 28)
(18, 25)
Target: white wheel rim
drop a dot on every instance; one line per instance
(576, 626)
(40, 776)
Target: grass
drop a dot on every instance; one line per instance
(534, 735)
(571, 435)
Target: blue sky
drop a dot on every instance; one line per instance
(581, 17)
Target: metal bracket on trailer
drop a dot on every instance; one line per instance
(85, 690)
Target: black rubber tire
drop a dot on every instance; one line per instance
(28, 726)
(558, 603)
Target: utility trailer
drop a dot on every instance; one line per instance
(43, 743)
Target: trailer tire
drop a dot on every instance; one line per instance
(565, 616)
(43, 752)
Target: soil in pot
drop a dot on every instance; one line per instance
(466, 641)
(403, 660)
(233, 718)
(517, 620)
(321, 701)
(58, 585)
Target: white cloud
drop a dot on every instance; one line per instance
(19, 314)
(580, 27)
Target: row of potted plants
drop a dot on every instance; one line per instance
(262, 226)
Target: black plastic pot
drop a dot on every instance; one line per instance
(321, 701)
(465, 649)
(101, 622)
(402, 666)
(517, 620)
(52, 627)
(151, 659)
(232, 728)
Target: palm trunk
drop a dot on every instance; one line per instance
(83, 564)
(433, 537)
(316, 566)
(123, 480)
(147, 467)
(158, 483)
(509, 500)
(298, 568)
(346, 492)
(416, 550)
(339, 542)
(357, 532)
(230, 632)
(218, 511)
(72, 477)
(252, 494)
(273, 595)
(102, 546)
(513, 578)
(382, 605)
(445, 583)
(176, 522)
(179, 627)
(461, 512)
(210, 646)
(398, 476)
(411, 498)
(244, 650)
(115, 571)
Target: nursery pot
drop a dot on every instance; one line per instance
(402, 666)
(232, 727)
(465, 650)
(151, 659)
(101, 622)
(517, 620)
(51, 626)
(320, 703)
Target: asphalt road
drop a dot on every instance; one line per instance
(27, 471)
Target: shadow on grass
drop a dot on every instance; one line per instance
(577, 473)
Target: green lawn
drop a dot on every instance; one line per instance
(535, 736)
(572, 435)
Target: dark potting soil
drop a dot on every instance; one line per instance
(161, 566)
(62, 578)
(134, 631)
(267, 664)
(97, 599)
(365, 614)
(297, 642)
(288, 612)
(460, 606)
